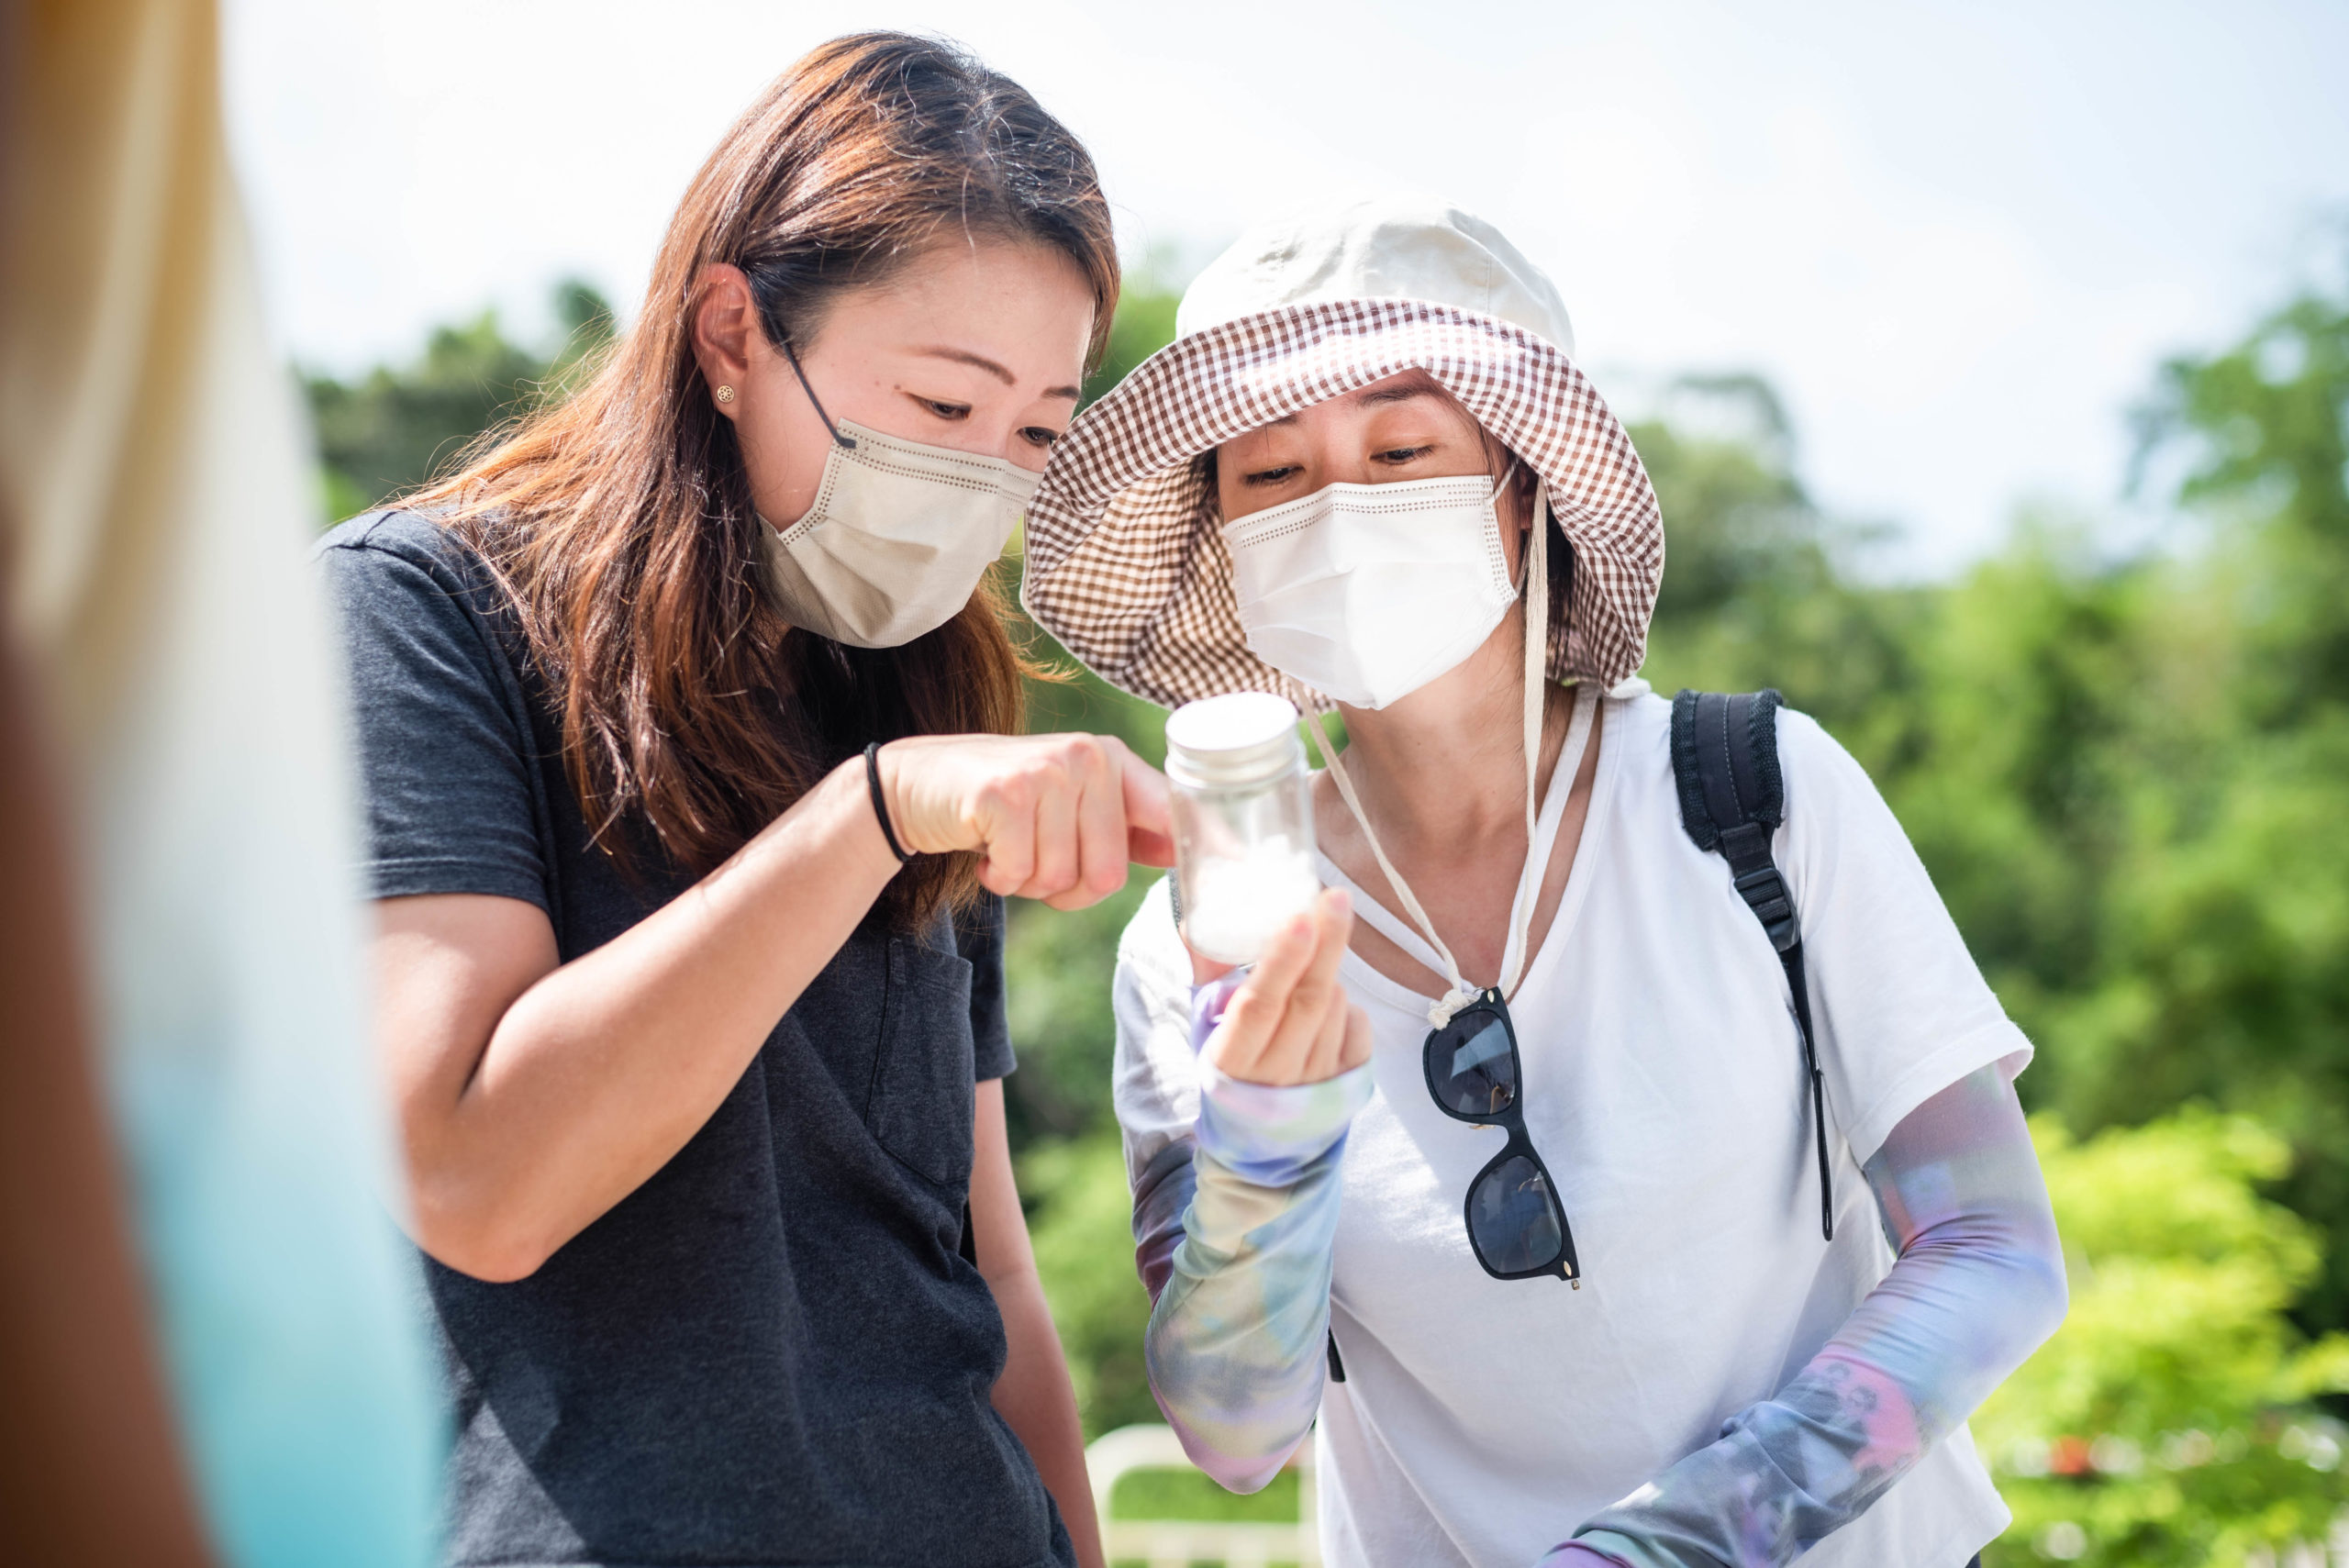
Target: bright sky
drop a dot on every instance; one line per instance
(1958, 235)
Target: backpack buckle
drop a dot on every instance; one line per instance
(1765, 892)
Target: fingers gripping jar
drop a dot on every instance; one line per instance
(1244, 822)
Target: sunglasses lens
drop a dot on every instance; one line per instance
(1471, 1065)
(1513, 1218)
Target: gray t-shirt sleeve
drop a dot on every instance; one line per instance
(979, 936)
(444, 753)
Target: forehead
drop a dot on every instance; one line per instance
(1016, 303)
(1413, 390)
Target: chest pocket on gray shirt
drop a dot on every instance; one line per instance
(926, 1076)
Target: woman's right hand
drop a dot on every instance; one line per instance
(1056, 817)
(1290, 1021)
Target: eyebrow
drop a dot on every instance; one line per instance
(1394, 395)
(1365, 400)
(965, 357)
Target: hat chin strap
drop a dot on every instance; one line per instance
(1536, 596)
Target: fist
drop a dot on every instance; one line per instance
(1051, 816)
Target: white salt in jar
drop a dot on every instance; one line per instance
(1244, 822)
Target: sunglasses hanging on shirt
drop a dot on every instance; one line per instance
(1517, 1227)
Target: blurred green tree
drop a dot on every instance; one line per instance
(1757, 590)
(2168, 1422)
(2200, 748)
(1143, 325)
(1081, 1221)
(395, 427)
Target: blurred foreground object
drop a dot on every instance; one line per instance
(89, 1465)
(155, 495)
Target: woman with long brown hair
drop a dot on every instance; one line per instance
(686, 723)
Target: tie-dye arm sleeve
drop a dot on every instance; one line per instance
(1232, 1230)
(1979, 1286)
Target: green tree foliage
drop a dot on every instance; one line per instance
(2224, 962)
(1082, 1225)
(395, 427)
(1143, 325)
(1754, 591)
(2266, 430)
(1059, 1006)
(2168, 1422)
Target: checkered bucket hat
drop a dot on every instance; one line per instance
(1126, 563)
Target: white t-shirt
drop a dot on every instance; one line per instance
(1482, 1421)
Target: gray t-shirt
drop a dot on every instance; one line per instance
(772, 1352)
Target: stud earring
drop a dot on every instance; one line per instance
(725, 394)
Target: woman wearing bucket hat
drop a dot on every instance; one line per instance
(684, 713)
(1368, 476)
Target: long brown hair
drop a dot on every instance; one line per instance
(619, 520)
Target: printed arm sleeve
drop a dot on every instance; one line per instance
(1233, 1228)
(1979, 1286)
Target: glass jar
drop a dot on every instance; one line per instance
(1244, 822)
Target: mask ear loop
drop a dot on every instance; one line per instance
(846, 443)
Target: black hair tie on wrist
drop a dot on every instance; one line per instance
(879, 802)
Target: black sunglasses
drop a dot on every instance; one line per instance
(1516, 1224)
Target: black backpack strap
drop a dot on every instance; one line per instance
(1733, 797)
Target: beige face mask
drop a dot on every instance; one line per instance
(898, 539)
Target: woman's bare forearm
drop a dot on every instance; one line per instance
(590, 1075)
(1036, 1397)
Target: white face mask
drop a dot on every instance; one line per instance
(898, 539)
(1367, 592)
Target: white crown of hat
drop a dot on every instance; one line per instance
(1388, 246)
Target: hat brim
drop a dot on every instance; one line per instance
(1126, 563)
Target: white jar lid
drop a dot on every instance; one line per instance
(1238, 737)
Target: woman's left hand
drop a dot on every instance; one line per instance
(1291, 1022)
